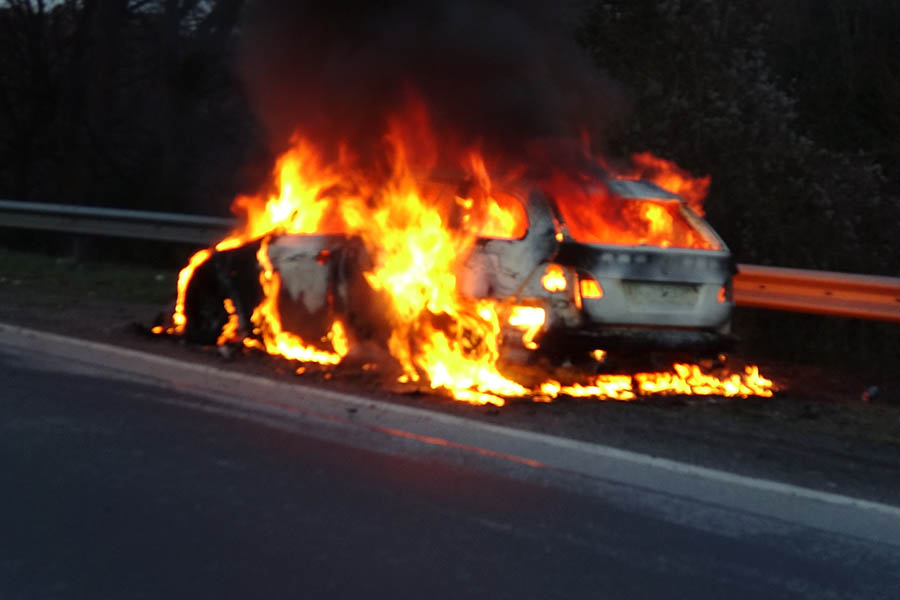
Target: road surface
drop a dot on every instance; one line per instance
(116, 486)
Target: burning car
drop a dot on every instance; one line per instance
(645, 273)
(457, 275)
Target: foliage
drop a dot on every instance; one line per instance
(128, 103)
(708, 94)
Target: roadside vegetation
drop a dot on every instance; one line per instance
(29, 274)
(792, 108)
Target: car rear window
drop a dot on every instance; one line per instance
(599, 217)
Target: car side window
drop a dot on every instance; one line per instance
(499, 216)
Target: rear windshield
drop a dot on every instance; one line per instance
(600, 217)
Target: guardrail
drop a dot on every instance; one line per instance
(146, 225)
(818, 292)
(776, 288)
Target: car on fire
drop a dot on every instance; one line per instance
(613, 264)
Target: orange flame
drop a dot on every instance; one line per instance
(685, 379)
(495, 214)
(276, 340)
(595, 215)
(606, 387)
(689, 379)
(529, 319)
(416, 257)
(417, 238)
(179, 319)
(229, 329)
(671, 178)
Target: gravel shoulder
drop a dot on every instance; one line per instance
(819, 431)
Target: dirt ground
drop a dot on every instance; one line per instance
(827, 428)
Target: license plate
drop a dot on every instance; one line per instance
(670, 294)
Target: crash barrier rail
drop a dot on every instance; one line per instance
(818, 292)
(776, 288)
(91, 220)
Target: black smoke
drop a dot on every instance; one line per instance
(506, 75)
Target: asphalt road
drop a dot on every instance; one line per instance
(115, 488)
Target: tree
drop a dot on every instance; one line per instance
(122, 102)
(707, 95)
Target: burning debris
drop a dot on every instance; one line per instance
(435, 221)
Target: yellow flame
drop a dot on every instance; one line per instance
(530, 319)
(417, 239)
(267, 319)
(435, 332)
(229, 329)
(684, 379)
(659, 222)
(689, 379)
(554, 279)
(179, 319)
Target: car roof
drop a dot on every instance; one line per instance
(631, 189)
(639, 189)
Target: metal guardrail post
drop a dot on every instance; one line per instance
(818, 292)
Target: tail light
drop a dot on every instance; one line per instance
(589, 288)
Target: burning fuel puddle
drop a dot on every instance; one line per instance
(685, 383)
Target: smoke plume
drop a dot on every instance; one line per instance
(504, 75)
